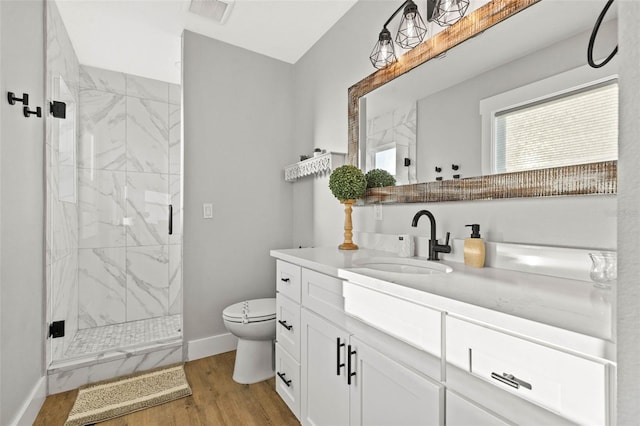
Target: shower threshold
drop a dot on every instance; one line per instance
(115, 350)
(116, 337)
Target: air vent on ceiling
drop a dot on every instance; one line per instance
(213, 9)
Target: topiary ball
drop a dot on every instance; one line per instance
(378, 177)
(347, 183)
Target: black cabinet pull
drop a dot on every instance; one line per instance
(282, 377)
(511, 380)
(285, 325)
(339, 365)
(349, 372)
(170, 219)
(285, 280)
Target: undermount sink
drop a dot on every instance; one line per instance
(401, 265)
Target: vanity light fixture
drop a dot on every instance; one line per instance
(412, 29)
(448, 12)
(411, 32)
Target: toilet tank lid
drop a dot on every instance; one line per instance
(256, 308)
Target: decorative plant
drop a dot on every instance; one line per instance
(378, 177)
(347, 183)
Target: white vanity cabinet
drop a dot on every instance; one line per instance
(362, 350)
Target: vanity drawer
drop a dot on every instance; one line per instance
(288, 280)
(288, 379)
(322, 293)
(415, 324)
(574, 387)
(288, 326)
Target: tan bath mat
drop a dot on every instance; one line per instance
(116, 397)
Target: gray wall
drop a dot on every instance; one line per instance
(238, 109)
(323, 76)
(21, 205)
(628, 295)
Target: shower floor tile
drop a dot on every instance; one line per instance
(110, 337)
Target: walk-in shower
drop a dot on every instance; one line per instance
(114, 234)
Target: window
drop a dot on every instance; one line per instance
(386, 160)
(575, 127)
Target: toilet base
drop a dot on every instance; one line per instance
(254, 361)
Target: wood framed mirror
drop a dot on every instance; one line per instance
(576, 179)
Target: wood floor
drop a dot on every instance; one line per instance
(216, 400)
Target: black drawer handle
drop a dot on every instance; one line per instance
(350, 373)
(282, 377)
(285, 325)
(338, 363)
(511, 380)
(285, 280)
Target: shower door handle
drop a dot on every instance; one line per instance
(170, 219)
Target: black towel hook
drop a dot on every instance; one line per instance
(592, 40)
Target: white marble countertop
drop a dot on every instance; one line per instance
(562, 312)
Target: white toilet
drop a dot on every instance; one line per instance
(253, 322)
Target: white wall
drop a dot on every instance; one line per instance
(628, 294)
(238, 118)
(339, 60)
(21, 206)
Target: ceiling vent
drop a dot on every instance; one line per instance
(213, 9)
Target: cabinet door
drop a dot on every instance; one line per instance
(461, 412)
(325, 393)
(384, 392)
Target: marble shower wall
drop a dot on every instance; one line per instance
(396, 128)
(129, 173)
(61, 179)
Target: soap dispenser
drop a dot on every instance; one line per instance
(474, 248)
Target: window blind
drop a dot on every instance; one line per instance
(573, 128)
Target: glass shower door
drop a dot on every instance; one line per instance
(113, 210)
(62, 229)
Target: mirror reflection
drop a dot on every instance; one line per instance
(517, 97)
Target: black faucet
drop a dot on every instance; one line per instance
(434, 247)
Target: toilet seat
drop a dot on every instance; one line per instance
(251, 311)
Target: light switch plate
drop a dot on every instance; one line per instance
(207, 211)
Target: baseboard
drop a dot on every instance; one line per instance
(31, 407)
(212, 345)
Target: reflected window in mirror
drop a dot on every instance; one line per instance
(386, 160)
(571, 128)
(566, 119)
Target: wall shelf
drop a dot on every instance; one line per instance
(321, 164)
